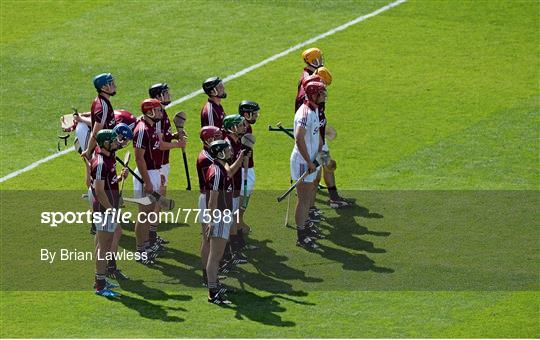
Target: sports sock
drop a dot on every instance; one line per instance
(333, 193)
(235, 243)
(300, 232)
(111, 264)
(153, 233)
(212, 289)
(241, 238)
(100, 281)
(227, 253)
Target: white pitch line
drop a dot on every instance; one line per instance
(35, 164)
(294, 48)
(232, 76)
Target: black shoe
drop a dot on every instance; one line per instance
(307, 243)
(116, 274)
(316, 211)
(313, 231)
(218, 299)
(224, 289)
(160, 240)
(239, 259)
(149, 259)
(225, 267)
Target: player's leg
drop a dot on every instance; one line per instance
(236, 242)
(218, 241)
(164, 176)
(304, 191)
(205, 241)
(141, 222)
(335, 201)
(112, 270)
(104, 236)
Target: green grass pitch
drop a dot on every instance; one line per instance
(436, 104)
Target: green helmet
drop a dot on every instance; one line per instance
(105, 135)
(231, 121)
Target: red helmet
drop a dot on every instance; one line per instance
(149, 104)
(314, 88)
(208, 132)
(310, 79)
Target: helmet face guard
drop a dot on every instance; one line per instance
(102, 80)
(220, 149)
(313, 57)
(249, 110)
(211, 87)
(124, 134)
(160, 90)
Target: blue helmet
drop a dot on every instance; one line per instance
(102, 79)
(122, 129)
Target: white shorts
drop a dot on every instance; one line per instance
(201, 206)
(164, 171)
(298, 167)
(138, 188)
(107, 223)
(235, 203)
(250, 182)
(221, 230)
(82, 131)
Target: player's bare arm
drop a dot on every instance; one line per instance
(83, 118)
(178, 144)
(141, 165)
(237, 165)
(212, 205)
(92, 140)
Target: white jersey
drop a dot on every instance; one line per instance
(307, 118)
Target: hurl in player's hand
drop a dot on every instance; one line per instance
(311, 167)
(124, 174)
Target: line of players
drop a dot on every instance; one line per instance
(311, 152)
(103, 131)
(219, 165)
(227, 149)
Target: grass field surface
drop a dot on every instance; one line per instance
(436, 104)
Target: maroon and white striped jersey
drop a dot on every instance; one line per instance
(103, 168)
(212, 114)
(145, 137)
(102, 112)
(204, 161)
(217, 180)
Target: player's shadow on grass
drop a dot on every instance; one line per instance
(180, 274)
(269, 264)
(148, 293)
(262, 309)
(343, 231)
(147, 309)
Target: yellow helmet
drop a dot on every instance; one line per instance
(325, 75)
(313, 57)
